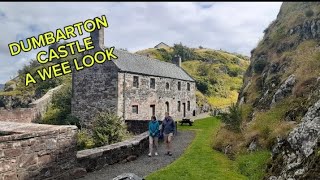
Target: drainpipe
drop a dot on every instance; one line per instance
(124, 96)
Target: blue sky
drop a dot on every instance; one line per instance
(231, 26)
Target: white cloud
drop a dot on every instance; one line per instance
(234, 27)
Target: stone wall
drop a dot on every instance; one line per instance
(97, 158)
(41, 105)
(35, 151)
(137, 126)
(27, 115)
(144, 97)
(23, 115)
(94, 90)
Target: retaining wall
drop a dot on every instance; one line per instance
(35, 151)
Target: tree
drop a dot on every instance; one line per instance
(185, 52)
(233, 119)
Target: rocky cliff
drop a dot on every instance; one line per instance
(282, 86)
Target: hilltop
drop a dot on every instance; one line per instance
(218, 73)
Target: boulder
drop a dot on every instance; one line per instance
(128, 176)
(78, 173)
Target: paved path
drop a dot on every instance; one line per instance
(145, 165)
(200, 116)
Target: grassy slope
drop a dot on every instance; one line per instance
(200, 161)
(209, 66)
(302, 60)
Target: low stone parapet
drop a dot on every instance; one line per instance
(97, 158)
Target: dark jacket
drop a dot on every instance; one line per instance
(168, 125)
(154, 128)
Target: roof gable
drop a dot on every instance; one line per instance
(162, 43)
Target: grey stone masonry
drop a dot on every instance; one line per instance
(35, 151)
(110, 86)
(97, 158)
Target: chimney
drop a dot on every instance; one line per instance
(177, 60)
(97, 37)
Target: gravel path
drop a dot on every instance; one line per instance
(145, 165)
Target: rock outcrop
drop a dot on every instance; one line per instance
(284, 90)
(295, 156)
(281, 88)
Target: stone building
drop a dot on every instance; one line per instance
(161, 45)
(133, 86)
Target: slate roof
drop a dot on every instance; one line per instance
(129, 62)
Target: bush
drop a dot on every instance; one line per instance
(233, 119)
(202, 86)
(108, 128)
(259, 65)
(165, 55)
(59, 113)
(84, 140)
(309, 13)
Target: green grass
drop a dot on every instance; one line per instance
(200, 161)
(253, 165)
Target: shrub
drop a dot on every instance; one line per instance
(59, 112)
(202, 86)
(108, 128)
(84, 140)
(309, 13)
(259, 65)
(233, 118)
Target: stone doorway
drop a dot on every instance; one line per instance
(152, 110)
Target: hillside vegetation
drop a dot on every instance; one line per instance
(218, 74)
(281, 83)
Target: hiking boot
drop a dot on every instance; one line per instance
(149, 154)
(156, 154)
(170, 154)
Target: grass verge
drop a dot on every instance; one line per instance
(200, 161)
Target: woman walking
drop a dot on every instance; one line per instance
(153, 136)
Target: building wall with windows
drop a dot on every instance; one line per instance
(141, 96)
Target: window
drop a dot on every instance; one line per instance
(188, 105)
(179, 106)
(167, 106)
(152, 83)
(179, 85)
(167, 86)
(135, 81)
(135, 109)
(188, 86)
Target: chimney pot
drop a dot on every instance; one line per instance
(177, 60)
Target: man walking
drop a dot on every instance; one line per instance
(168, 129)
